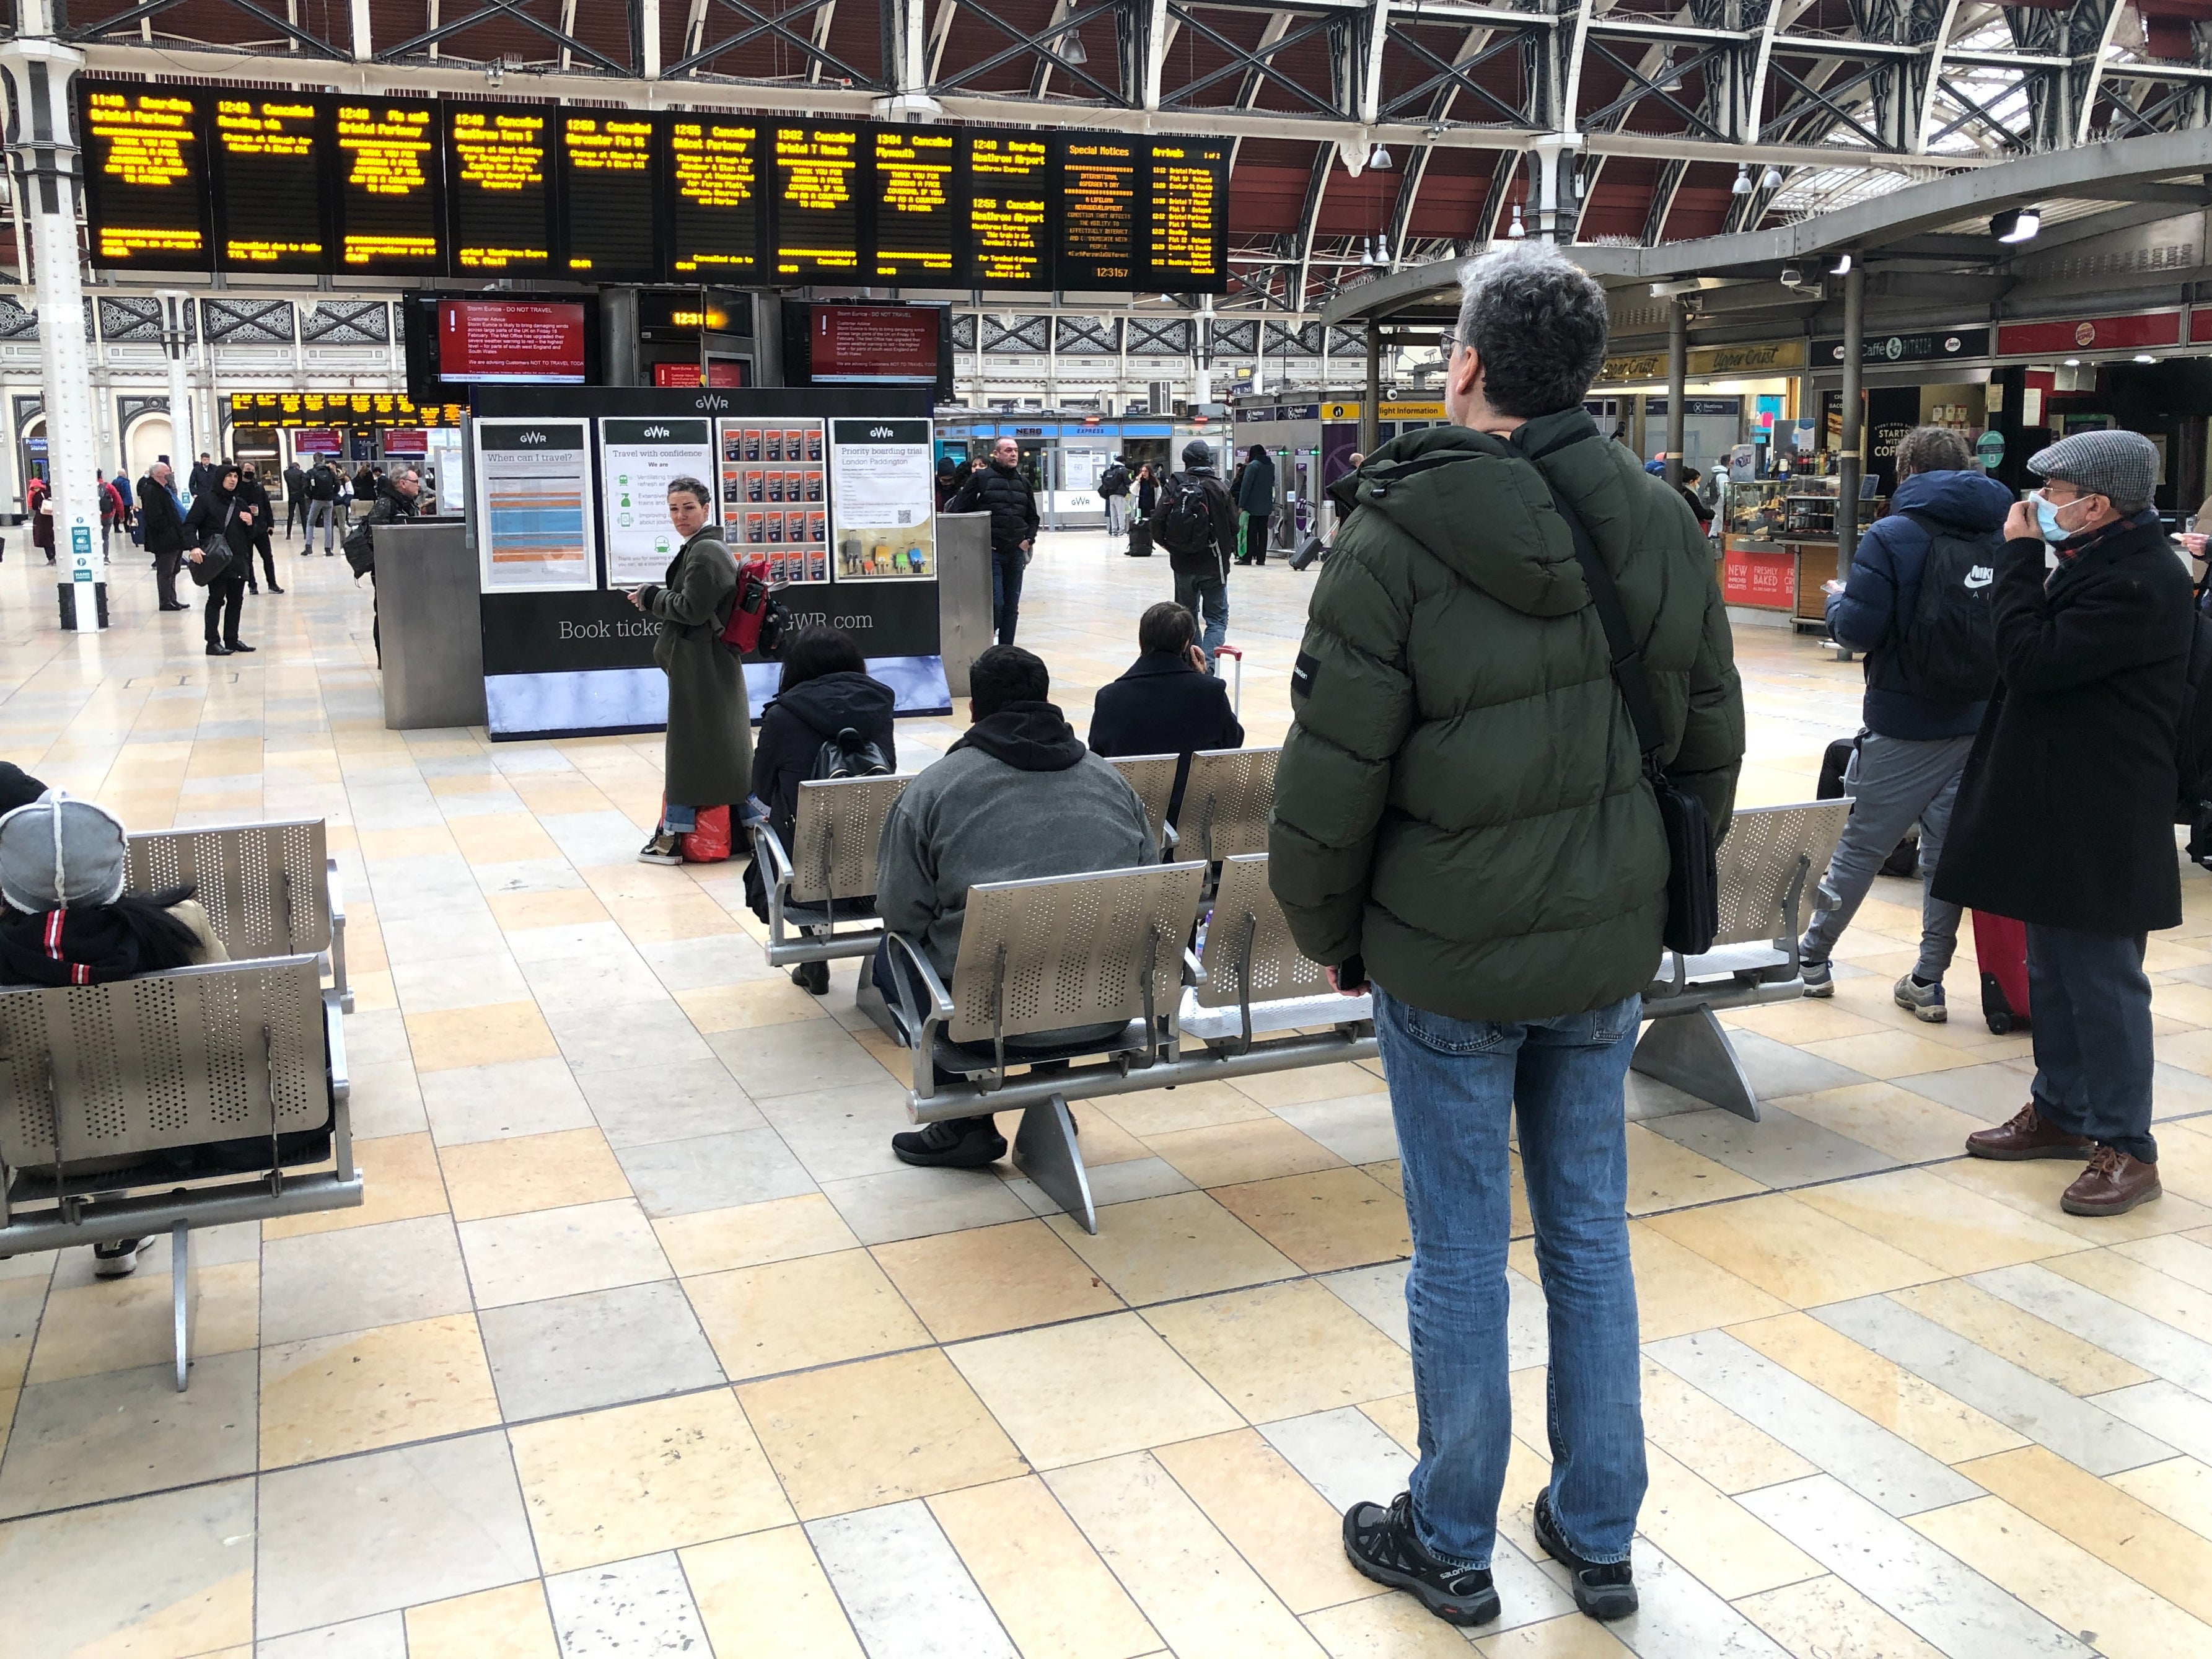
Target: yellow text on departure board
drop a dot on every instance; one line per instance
(502, 152)
(596, 146)
(387, 150)
(1185, 209)
(148, 142)
(1009, 237)
(1099, 205)
(715, 163)
(283, 130)
(818, 167)
(914, 177)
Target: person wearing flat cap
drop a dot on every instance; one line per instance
(2065, 812)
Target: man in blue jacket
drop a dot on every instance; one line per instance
(1920, 727)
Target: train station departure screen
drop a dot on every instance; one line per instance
(145, 172)
(267, 154)
(387, 193)
(607, 161)
(1009, 221)
(1098, 183)
(915, 206)
(818, 204)
(1186, 205)
(714, 165)
(499, 189)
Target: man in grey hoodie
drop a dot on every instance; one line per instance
(1018, 796)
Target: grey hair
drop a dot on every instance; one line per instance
(1538, 321)
(699, 491)
(1933, 449)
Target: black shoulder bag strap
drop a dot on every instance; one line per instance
(1693, 873)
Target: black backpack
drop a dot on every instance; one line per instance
(2192, 740)
(1115, 481)
(1183, 520)
(847, 755)
(1949, 650)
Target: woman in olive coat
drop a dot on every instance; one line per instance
(710, 740)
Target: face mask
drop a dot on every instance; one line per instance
(2047, 519)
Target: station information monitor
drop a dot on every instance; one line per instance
(1010, 216)
(916, 210)
(1099, 178)
(714, 171)
(608, 162)
(818, 175)
(145, 176)
(388, 194)
(499, 189)
(1186, 215)
(267, 155)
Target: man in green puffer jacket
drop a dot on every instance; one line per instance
(1461, 820)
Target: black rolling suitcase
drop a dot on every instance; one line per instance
(1836, 779)
(1140, 539)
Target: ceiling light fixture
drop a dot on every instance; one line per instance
(2072, 363)
(1380, 161)
(1071, 48)
(2145, 357)
(2016, 224)
(1842, 267)
(1516, 230)
(1770, 180)
(1742, 184)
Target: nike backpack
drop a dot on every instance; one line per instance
(1949, 651)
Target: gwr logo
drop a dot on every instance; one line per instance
(881, 432)
(532, 438)
(712, 402)
(656, 432)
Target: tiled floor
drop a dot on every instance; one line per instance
(644, 1344)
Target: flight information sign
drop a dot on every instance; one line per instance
(499, 193)
(267, 154)
(914, 205)
(1099, 177)
(715, 186)
(818, 203)
(388, 176)
(1010, 231)
(608, 159)
(1186, 217)
(145, 174)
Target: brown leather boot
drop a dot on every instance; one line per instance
(2027, 1136)
(2114, 1183)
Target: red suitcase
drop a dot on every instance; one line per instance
(2001, 946)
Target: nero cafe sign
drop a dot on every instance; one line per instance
(1929, 346)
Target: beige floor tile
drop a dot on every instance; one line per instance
(907, 1426)
(1677, 1290)
(757, 1002)
(478, 1036)
(608, 1485)
(1165, 1111)
(2062, 1581)
(1908, 1126)
(2180, 1488)
(568, 907)
(1386, 1627)
(1068, 1393)
(2033, 1187)
(1328, 1219)
(21, 1302)
(424, 843)
(1278, 1523)
(332, 1395)
(2141, 1287)
(1792, 1250)
(400, 1180)
(531, 1172)
(1927, 1217)
(1200, 1593)
(1572, 1638)
(653, 921)
(501, 838)
(119, 1326)
(1663, 1174)
(1387, 1173)
(2159, 1553)
(748, 1235)
(1808, 1020)
(1708, 1438)
(1826, 1619)
(989, 1280)
(1893, 1054)
(1283, 1350)
(2191, 1004)
(1913, 1408)
(1183, 1244)
(1311, 1084)
(809, 1310)
(766, 1594)
(509, 1623)
(1258, 1149)
(1053, 1594)
(1399, 1417)
(2034, 1345)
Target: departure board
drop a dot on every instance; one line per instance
(1186, 217)
(914, 205)
(714, 175)
(145, 174)
(607, 167)
(267, 154)
(1098, 183)
(499, 191)
(388, 175)
(1010, 232)
(818, 203)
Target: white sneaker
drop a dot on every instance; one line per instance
(116, 1259)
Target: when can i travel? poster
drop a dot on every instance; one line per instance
(638, 461)
(534, 526)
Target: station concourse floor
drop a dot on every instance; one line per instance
(643, 1344)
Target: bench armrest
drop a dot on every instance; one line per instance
(334, 1038)
(921, 1025)
(337, 936)
(775, 878)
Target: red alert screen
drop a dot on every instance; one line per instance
(510, 340)
(876, 344)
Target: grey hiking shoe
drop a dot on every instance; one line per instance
(1925, 1001)
(1819, 982)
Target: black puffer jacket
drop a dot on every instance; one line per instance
(794, 728)
(1003, 493)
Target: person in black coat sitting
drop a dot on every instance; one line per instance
(825, 692)
(1166, 703)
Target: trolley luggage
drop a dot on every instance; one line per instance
(1235, 654)
(1840, 777)
(1140, 539)
(2001, 946)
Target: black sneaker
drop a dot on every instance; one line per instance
(1605, 1590)
(1381, 1543)
(117, 1259)
(958, 1143)
(813, 976)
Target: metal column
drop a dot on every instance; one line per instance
(1371, 408)
(1847, 474)
(176, 312)
(1677, 375)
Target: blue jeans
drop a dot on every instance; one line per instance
(2089, 1014)
(1456, 1087)
(679, 820)
(1207, 596)
(1007, 593)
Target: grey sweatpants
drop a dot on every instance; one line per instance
(1900, 779)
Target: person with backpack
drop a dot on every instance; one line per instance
(1918, 603)
(999, 489)
(400, 497)
(828, 720)
(2065, 815)
(113, 511)
(295, 497)
(1114, 490)
(323, 486)
(1255, 503)
(1196, 522)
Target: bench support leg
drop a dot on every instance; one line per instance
(1691, 1051)
(1045, 1151)
(184, 1294)
(870, 1001)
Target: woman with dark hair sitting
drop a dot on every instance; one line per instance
(825, 694)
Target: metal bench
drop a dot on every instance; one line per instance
(1062, 953)
(187, 1099)
(827, 880)
(271, 889)
(1226, 803)
(1152, 776)
(1253, 978)
(1769, 862)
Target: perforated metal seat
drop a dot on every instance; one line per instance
(271, 889)
(827, 880)
(1226, 803)
(1254, 977)
(1152, 776)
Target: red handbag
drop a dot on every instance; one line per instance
(741, 632)
(710, 843)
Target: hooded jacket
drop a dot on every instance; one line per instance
(1002, 492)
(1255, 485)
(1018, 796)
(1461, 800)
(1876, 606)
(794, 727)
